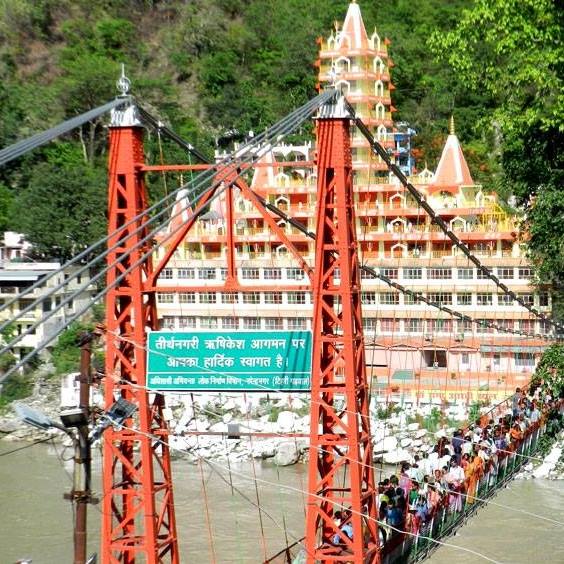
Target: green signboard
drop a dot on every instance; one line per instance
(229, 361)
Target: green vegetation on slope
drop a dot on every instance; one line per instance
(206, 66)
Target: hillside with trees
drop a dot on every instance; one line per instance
(207, 66)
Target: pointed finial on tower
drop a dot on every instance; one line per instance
(451, 125)
(123, 84)
(336, 25)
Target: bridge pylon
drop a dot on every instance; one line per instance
(138, 522)
(341, 476)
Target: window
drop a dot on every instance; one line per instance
(484, 325)
(439, 325)
(389, 298)
(366, 275)
(273, 297)
(165, 297)
(504, 300)
(272, 273)
(484, 299)
(251, 297)
(187, 322)
(208, 298)
(465, 273)
(496, 359)
(251, 322)
(441, 298)
(484, 275)
(186, 273)
(543, 299)
(223, 273)
(208, 322)
(505, 272)
(524, 360)
(187, 297)
(389, 272)
(439, 273)
(167, 322)
(525, 273)
(413, 273)
(166, 274)
(230, 323)
(528, 299)
(229, 297)
(504, 324)
(368, 298)
(464, 299)
(465, 325)
(369, 324)
(527, 325)
(410, 299)
(413, 325)
(337, 273)
(388, 325)
(206, 273)
(294, 274)
(273, 323)
(297, 323)
(296, 297)
(465, 358)
(250, 273)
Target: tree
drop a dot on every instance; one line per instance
(65, 206)
(514, 50)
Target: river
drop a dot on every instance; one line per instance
(36, 523)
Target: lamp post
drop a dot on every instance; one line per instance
(75, 424)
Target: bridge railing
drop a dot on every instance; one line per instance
(418, 542)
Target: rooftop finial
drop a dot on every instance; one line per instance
(336, 24)
(451, 125)
(123, 84)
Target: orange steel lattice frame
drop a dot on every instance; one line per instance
(341, 476)
(138, 522)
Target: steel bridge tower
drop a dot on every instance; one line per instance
(341, 475)
(138, 523)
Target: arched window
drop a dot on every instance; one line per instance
(375, 41)
(342, 64)
(382, 133)
(379, 88)
(343, 40)
(378, 65)
(380, 110)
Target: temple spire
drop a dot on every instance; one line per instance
(452, 169)
(353, 28)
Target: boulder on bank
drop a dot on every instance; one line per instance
(287, 453)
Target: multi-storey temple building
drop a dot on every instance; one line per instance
(412, 348)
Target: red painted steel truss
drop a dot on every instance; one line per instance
(138, 522)
(341, 476)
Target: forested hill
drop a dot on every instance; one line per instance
(205, 66)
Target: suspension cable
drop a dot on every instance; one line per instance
(435, 218)
(280, 129)
(21, 147)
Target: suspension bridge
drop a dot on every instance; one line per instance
(343, 520)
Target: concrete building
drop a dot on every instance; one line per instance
(412, 349)
(16, 277)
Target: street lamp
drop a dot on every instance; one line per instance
(71, 419)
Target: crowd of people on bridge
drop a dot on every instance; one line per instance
(447, 479)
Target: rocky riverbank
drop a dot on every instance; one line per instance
(551, 467)
(220, 426)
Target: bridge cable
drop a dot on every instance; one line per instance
(202, 177)
(435, 218)
(280, 129)
(21, 147)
